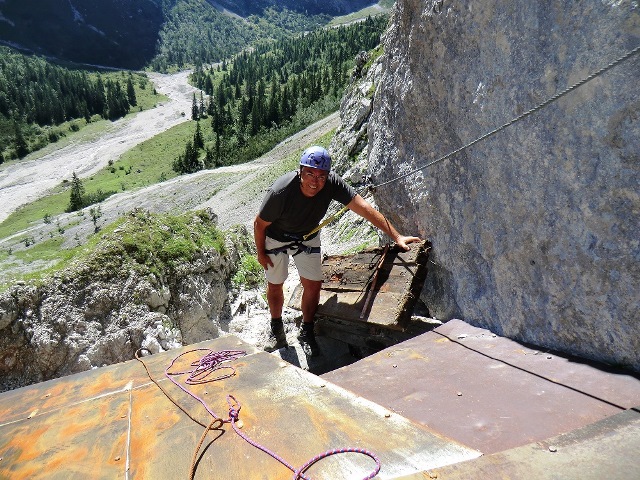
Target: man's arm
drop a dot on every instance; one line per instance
(363, 208)
(259, 236)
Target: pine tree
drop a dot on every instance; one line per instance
(194, 109)
(131, 93)
(76, 200)
(202, 108)
(117, 103)
(209, 159)
(190, 158)
(210, 106)
(198, 140)
(20, 144)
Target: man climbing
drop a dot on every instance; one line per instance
(293, 206)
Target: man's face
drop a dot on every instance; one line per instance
(312, 180)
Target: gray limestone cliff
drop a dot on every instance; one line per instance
(535, 230)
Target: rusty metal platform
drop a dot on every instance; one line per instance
(605, 449)
(485, 391)
(113, 422)
(378, 286)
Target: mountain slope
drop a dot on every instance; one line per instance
(111, 32)
(308, 7)
(130, 33)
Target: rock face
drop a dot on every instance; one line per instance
(87, 316)
(535, 230)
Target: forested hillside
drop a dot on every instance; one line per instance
(195, 32)
(263, 96)
(118, 33)
(162, 33)
(308, 7)
(35, 94)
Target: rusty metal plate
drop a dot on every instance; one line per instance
(375, 286)
(82, 440)
(54, 394)
(487, 392)
(135, 430)
(606, 449)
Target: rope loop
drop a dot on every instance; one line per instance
(298, 473)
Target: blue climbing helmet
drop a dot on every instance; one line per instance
(316, 157)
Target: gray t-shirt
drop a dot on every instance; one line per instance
(294, 215)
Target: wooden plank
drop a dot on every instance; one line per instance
(347, 279)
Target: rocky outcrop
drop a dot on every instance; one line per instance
(535, 229)
(105, 306)
(349, 144)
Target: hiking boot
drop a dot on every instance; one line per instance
(307, 340)
(278, 338)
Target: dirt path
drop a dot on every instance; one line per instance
(27, 180)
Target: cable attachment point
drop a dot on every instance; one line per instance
(234, 408)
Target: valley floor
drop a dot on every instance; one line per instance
(27, 180)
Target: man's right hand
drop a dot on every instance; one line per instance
(260, 235)
(264, 260)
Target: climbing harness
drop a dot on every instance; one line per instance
(298, 246)
(204, 371)
(529, 112)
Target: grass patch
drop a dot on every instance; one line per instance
(48, 254)
(161, 242)
(149, 243)
(32, 213)
(145, 164)
(250, 273)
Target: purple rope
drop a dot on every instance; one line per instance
(202, 373)
(298, 473)
(204, 368)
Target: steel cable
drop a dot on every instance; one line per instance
(519, 117)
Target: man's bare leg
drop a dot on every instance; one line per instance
(275, 299)
(310, 298)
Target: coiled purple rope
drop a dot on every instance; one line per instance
(203, 373)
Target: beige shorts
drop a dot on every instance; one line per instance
(309, 265)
